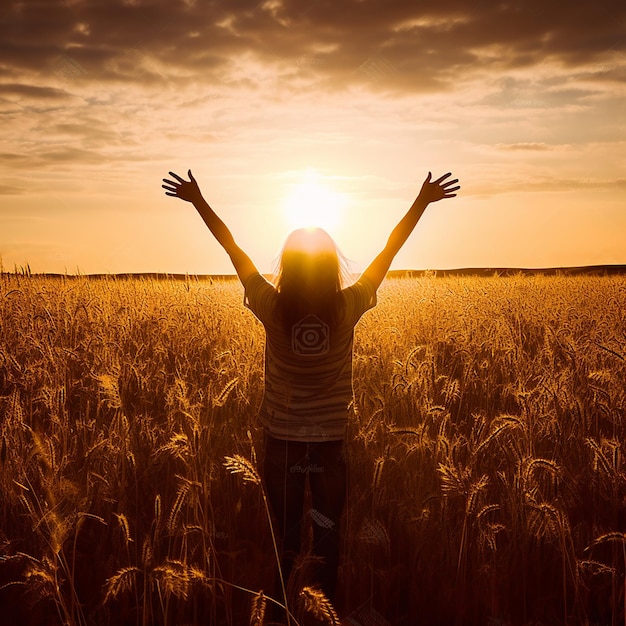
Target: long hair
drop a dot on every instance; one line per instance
(309, 277)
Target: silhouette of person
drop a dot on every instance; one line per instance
(309, 319)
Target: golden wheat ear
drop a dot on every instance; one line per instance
(239, 465)
(316, 603)
(257, 611)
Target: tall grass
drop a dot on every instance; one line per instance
(486, 455)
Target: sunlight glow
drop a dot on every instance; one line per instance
(312, 202)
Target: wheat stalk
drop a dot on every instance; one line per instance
(123, 580)
(316, 603)
(172, 520)
(257, 611)
(239, 465)
(123, 521)
(223, 396)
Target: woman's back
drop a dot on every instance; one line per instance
(308, 365)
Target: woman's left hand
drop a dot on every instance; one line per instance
(183, 189)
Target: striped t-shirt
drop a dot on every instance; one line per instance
(308, 371)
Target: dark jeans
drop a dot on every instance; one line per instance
(287, 466)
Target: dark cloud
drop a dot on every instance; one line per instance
(536, 147)
(405, 44)
(87, 132)
(63, 154)
(13, 158)
(554, 184)
(52, 156)
(12, 190)
(31, 91)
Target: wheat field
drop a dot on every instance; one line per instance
(487, 477)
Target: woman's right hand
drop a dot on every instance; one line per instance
(437, 189)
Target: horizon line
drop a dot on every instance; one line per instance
(608, 268)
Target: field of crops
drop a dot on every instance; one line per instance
(487, 471)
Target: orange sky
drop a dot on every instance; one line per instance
(271, 103)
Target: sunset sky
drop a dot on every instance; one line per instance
(283, 108)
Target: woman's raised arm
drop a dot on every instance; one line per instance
(190, 192)
(430, 192)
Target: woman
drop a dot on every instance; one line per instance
(309, 319)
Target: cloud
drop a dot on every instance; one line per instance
(33, 91)
(12, 190)
(513, 147)
(53, 156)
(551, 184)
(396, 44)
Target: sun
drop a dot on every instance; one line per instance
(311, 202)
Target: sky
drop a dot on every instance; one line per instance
(311, 112)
